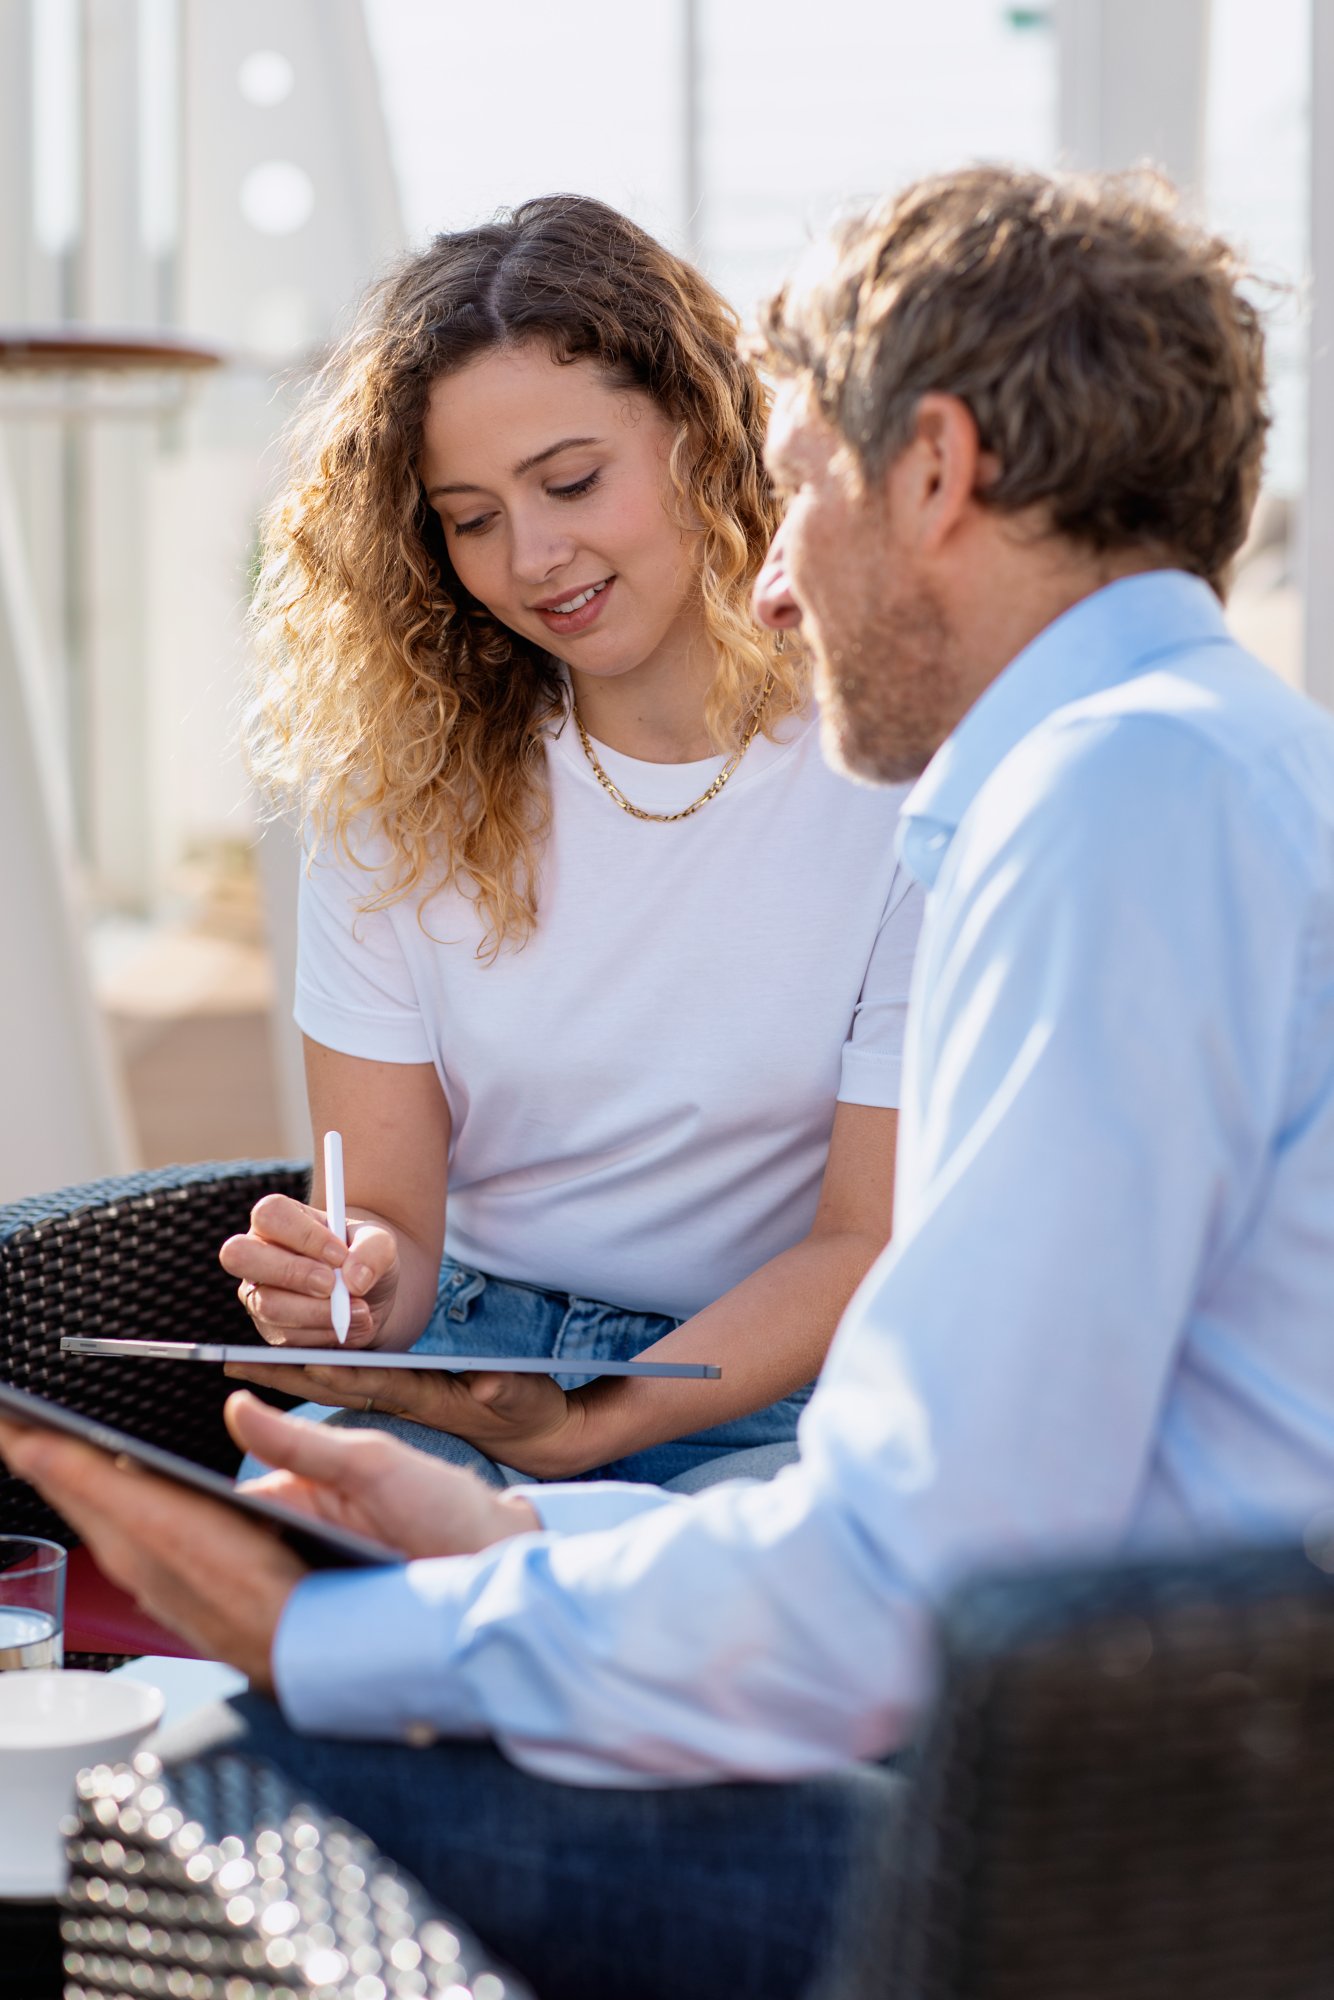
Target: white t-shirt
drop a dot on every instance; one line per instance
(641, 1097)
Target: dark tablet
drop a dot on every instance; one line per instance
(316, 1542)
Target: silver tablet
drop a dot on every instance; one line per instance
(249, 1355)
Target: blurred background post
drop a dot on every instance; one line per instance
(228, 176)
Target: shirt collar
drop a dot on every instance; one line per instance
(1106, 638)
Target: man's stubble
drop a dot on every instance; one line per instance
(890, 689)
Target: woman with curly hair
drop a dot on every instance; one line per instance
(590, 936)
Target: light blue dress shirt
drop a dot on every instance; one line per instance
(1106, 1319)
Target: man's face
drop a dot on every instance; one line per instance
(844, 570)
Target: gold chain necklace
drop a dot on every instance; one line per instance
(666, 819)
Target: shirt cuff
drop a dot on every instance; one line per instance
(871, 1076)
(582, 1507)
(375, 1037)
(338, 1672)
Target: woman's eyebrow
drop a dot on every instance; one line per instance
(524, 465)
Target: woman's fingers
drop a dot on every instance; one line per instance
(297, 1225)
(258, 1263)
(290, 1228)
(285, 1263)
(372, 1259)
(400, 1392)
(506, 1393)
(287, 1319)
(303, 1382)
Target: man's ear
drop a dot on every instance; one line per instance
(930, 484)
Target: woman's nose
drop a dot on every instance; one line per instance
(771, 599)
(538, 554)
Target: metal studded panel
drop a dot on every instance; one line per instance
(216, 1882)
(135, 1257)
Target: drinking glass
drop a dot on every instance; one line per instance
(32, 1602)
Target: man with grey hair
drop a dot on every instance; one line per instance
(1019, 421)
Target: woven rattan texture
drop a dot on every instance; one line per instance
(1127, 1792)
(215, 1882)
(137, 1257)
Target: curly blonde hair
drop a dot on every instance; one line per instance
(385, 689)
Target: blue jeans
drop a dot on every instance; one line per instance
(478, 1314)
(720, 1892)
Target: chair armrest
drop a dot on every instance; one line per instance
(1126, 1786)
(134, 1256)
(220, 1874)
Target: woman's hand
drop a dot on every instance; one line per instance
(374, 1484)
(286, 1263)
(521, 1420)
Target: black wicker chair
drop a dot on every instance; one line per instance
(136, 1256)
(1127, 1789)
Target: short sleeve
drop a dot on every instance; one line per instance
(354, 986)
(873, 1054)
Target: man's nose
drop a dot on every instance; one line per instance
(771, 599)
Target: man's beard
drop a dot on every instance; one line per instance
(890, 693)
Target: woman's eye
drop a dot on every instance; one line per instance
(473, 527)
(584, 485)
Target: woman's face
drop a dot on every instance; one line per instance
(553, 490)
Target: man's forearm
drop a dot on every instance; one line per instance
(720, 1650)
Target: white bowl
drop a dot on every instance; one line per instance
(52, 1725)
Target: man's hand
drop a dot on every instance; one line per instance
(221, 1580)
(520, 1420)
(375, 1484)
(199, 1567)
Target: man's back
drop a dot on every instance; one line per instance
(1253, 1390)
(1122, 1078)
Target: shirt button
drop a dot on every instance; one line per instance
(421, 1735)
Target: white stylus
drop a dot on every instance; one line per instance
(335, 1207)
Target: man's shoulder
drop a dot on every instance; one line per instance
(1212, 722)
(1218, 696)
(1159, 761)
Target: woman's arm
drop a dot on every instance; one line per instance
(769, 1334)
(395, 1126)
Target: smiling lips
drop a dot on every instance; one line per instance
(578, 611)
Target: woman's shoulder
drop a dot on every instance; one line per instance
(358, 845)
